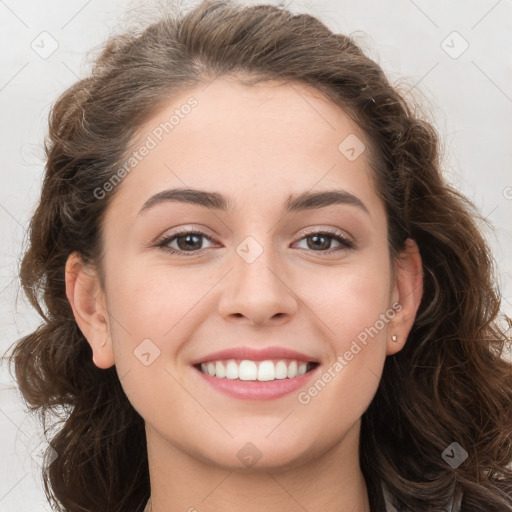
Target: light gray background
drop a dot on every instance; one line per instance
(469, 97)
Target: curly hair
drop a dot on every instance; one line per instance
(449, 383)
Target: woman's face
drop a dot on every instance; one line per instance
(267, 274)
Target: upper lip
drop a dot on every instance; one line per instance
(255, 354)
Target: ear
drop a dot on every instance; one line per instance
(407, 293)
(87, 301)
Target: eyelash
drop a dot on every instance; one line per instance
(336, 235)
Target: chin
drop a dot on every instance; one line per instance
(248, 453)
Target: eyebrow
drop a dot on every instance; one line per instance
(216, 201)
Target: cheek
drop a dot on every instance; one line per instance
(349, 299)
(153, 313)
(151, 318)
(151, 301)
(354, 314)
(353, 311)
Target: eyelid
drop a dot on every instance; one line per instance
(346, 241)
(185, 229)
(164, 239)
(328, 231)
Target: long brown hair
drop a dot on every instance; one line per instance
(449, 383)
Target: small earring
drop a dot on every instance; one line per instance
(103, 344)
(394, 338)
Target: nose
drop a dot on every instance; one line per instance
(257, 292)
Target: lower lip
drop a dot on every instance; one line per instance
(256, 390)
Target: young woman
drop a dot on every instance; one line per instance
(258, 291)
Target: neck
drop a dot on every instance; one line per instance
(331, 482)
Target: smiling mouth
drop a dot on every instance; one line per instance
(262, 371)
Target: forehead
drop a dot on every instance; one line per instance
(268, 138)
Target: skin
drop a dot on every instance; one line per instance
(258, 145)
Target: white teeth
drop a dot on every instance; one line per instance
(254, 370)
(220, 371)
(266, 371)
(281, 370)
(231, 370)
(247, 370)
(292, 370)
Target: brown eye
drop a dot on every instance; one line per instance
(321, 242)
(189, 242)
(185, 242)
